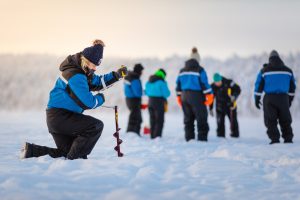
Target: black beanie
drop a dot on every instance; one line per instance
(94, 54)
(138, 68)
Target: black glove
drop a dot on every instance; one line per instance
(122, 72)
(257, 102)
(291, 98)
(102, 96)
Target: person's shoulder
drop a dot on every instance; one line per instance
(288, 69)
(132, 76)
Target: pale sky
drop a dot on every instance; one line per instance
(150, 28)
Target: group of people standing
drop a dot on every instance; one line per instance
(196, 97)
(157, 91)
(78, 89)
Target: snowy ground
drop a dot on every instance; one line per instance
(167, 168)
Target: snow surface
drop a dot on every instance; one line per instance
(167, 168)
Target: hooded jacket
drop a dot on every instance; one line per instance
(72, 90)
(275, 78)
(192, 78)
(221, 93)
(157, 87)
(132, 85)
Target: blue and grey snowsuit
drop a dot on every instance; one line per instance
(278, 83)
(75, 134)
(133, 92)
(192, 85)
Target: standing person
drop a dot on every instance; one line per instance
(74, 133)
(278, 83)
(226, 93)
(194, 93)
(157, 90)
(133, 93)
(195, 55)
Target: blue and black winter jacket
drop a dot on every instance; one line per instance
(73, 89)
(275, 78)
(192, 78)
(157, 87)
(133, 86)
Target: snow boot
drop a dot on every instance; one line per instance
(26, 151)
(274, 142)
(288, 141)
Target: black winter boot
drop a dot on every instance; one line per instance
(26, 151)
(274, 142)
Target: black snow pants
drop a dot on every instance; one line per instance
(234, 126)
(75, 134)
(157, 115)
(135, 116)
(276, 109)
(194, 109)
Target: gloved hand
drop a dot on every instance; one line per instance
(291, 98)
(211, 112)
(232, 98)
(232, 105)
(209, 99)
(144, 106)
(102, 96)
(166, 106)
(122, 72)
(257, 102)
(179, 102)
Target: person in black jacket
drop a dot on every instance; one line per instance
(133, 92)
(226, 93)
(278, 83)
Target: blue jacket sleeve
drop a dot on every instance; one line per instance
(178, 87)
(165, 90)
(259, 85)
(136, 87)
(103, 81)
(79, 85)
(204, 83)
(292, 86)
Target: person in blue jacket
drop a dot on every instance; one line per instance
(278, 83)
(74, 133)
(194, 93)
(157, 90)
(133, 92)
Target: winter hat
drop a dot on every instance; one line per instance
(138, 68)
(161, 73)
(94, 53)
(274, 53)
(217, 77)
(194, 50)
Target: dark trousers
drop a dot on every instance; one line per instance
(135, 116)
(194, 109)
(276, 109)
(75, 134)
(234, 126)
(157, 115)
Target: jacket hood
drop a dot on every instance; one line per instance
(191, 64)
(72, 61)
(275, 61)
(132, 75)
(154, 78)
